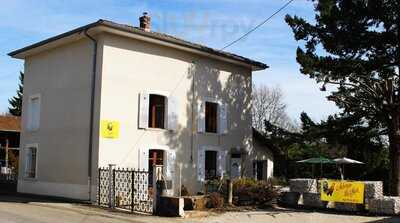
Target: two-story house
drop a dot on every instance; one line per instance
(107, 93)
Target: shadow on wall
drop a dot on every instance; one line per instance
(229, 85)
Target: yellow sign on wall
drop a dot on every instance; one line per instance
(342, 191)
(109, 129)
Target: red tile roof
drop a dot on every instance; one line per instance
(10, 123)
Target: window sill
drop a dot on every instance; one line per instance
(32, 179)
(32, 130)
(156, 129)
(211, 133)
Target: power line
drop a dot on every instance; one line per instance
(259, 25)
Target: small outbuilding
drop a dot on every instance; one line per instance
(10, 127)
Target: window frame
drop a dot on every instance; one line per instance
(216, 125)
(30, 146)
(258, 165)
(165, 121)
(206, 178)
(30, 125)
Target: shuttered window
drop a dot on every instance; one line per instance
(156, 111)
(30, 164)
(211, 117)
(211, 165)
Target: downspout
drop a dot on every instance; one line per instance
(92, 97)
(192, 112)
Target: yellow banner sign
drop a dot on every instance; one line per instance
(342, 191)
(109, 129)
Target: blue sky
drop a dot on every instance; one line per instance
(209, 22)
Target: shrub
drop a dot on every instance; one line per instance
(278, 181)
(252, 192)
(184, 191)
(215, 200)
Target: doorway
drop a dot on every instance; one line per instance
(156, 158)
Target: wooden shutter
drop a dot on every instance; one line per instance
(222, 162)
(170, 170)
(201, 121)
(172, 119)
(144, 159)
(143, 110)
(222, 118)
(201, 164)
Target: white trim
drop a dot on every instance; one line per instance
(212, 100)
(211, 148)
(27, 146)
(157, 92)
(159, 147)
(146, 149)
(165, 94)
(219, 104)
(74, 191)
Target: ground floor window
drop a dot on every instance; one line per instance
(31, 159)
(236, 165)
(258, 170)
(156, 158)
(210, 165)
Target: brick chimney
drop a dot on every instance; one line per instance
(145, 22)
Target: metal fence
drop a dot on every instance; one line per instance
(124, 188)
(9, 177)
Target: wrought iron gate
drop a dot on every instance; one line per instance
(125, 188)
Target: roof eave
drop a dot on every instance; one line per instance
(255, 65)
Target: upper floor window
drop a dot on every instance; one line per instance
(157, 111)
(33, 120)
(211, 117)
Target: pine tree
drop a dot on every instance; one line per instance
(16, 101)
(354, 45)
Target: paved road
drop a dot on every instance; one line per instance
(20, 211)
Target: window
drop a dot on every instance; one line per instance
(258, 167)
(211, 117)
(33, 113)
(31, 158)
(156, 158)
(157, 111)
(210, 165)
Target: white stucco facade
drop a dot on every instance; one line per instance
(126, 69)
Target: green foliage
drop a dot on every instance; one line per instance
(215, 200)
(355, 47)
(252, 192)
(16, 101)
(338, 136)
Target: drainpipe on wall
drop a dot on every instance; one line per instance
(93, 88)
(192, 111)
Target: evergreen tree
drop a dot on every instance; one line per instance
(354, 45)
(16, 101)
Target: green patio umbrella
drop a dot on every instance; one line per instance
(317, 160)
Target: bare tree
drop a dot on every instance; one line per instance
(268, 105)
